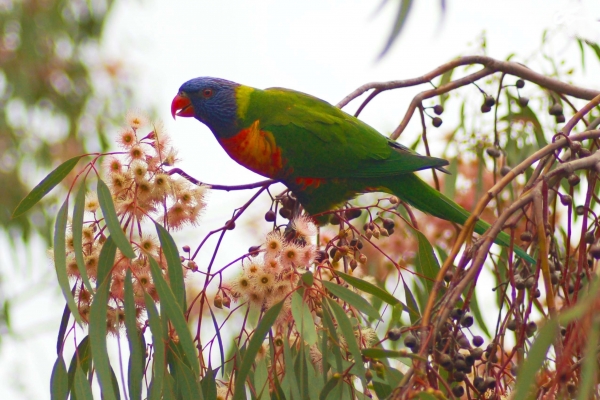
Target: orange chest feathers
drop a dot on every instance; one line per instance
(255, 150)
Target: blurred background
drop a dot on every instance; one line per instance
(70, 70)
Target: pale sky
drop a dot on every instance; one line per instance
(323, 47)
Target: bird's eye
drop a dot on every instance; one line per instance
(207, 93)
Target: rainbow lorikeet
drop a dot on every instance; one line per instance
(323, 155)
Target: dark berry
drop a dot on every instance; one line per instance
(555, 109)
(388, 223)
(477, 341)
(526, 236)
(394, 334)
(511, 325)
(230, 225)
(270, 216)
(436, 121)
(489, 101)
(458, 391)
(353, 213)
(520, 83)
(466, 321)
(560, 119)
(410, 341)
(438, 109)
(458, 376)
(485, 108)
(493, 152)
(285, 213)
(523, 101)
(573, 180)
(505, 170)
(595, 251)
(456, 313)
(334, 219)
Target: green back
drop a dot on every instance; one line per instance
(320, 141)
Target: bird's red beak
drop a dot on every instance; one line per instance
(182, 106)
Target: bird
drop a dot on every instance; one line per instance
(319, 152)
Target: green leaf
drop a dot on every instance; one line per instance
(77, 226)
(354, 299)
(82, 357)
(328, 323)
(594, 47)
(60, 260)
(169, 249)
(254, 345)
(401, 16)
(186, 381)
(346, 328)
(261, 380)
(304, 319)
(137, 349)
(450, 179)
(474, 305)
(589, 370)
(59, 381)
(63, 326)
(219, 340)
(535, 360)
(209, 385)
(81, 387)
(426, 263)
(330, 385)
(45, 186)
(290, 375)
(413, 307)
(112, 220)
(158, 341)
(384, 353)
(368, 287)
(98, 322)
(174, 313)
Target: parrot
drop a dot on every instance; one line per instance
(319, 152)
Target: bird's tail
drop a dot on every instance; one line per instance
(411, 189)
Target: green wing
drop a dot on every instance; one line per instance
(319, 140)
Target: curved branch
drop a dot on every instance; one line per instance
(227, 188)
(491, 66)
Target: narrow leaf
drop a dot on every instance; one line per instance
(137, 352)
(413, 308)
(535, 359)
(290, 374)
(354, 299)
(189, 387)
(368, 287)
(304, 319)
(589, 370)
(112, 220)
(82, 358)
(60, 259)
(174, 313)
(98, 320)
(78, 236)
(401, 15)
(64, 321)
(331, 383)
(158, 341)
(81, 387)
(45, 186)
(426, 263)
(346, 329)
(209, 385)
(253, 346)
(169, 249)
(59, 381)
(219, 341)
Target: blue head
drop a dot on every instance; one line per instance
(212, 101)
